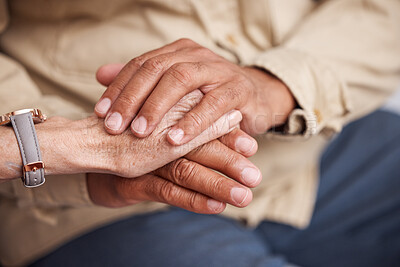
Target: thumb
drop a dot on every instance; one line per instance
(106, 73)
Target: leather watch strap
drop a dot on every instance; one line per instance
(33, 170)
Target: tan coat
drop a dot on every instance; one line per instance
(340, 59)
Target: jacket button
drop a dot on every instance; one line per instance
(231, 39)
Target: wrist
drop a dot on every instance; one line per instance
(97, 147)
(66, 146)
(70, 147)
(11, 157)
(273, 96)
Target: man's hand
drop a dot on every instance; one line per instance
(83, 146)
(151, 84)
(185, 182)
(131, 156)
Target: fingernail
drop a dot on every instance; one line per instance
(140, 125)
(176, 135)
(244, 145)
(251, 176)
(234, 117)
(239, 195)
(103, 106)
(214, 205)
(114, 121)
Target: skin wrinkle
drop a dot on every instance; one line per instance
(189, 67)
(130, 156)
(156, 142)
(163, 190)
(91, 149)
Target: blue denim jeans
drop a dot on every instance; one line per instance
(356, 221)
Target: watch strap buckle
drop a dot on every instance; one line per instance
(33, 167)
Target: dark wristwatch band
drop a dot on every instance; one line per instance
(33, 170)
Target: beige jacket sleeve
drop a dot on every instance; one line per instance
(18, 91)
(340, 62)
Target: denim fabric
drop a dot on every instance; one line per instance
(356, 221)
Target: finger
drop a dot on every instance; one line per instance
(241, 142)
(107, 73)
(138, 89)
(222, 126)
(178, 79)
(212, 106)
(102, 190)
(153, 188)
(115, 87)
(200, 179)
(219, 157)
(123, 77)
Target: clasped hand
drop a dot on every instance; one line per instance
(182, 176)
(145, 94)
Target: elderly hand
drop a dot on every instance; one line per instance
(83, 146)
(134, 156)
(186, 182)
(149, 85)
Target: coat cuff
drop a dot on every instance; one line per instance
(321, 96)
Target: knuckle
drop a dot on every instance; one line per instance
(181, 73)
(242, 83)
(167, 192)
(126, 100)
(217, 128)
(150, 190)
(216, 102)
(186, 42)
(154, 65)
(192, 202)
(136, 62)
(230, 160)
(202, 51)
(198, 67)
(216, 185)
(152, 110)
(182, 171)
(195, 121)
(232, 95)
(115, 88)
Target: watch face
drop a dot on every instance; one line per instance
(37, 116)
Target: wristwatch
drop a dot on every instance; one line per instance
(23, 123)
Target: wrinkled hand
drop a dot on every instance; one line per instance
(152, 83)
(131, 156)
(186, 182)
